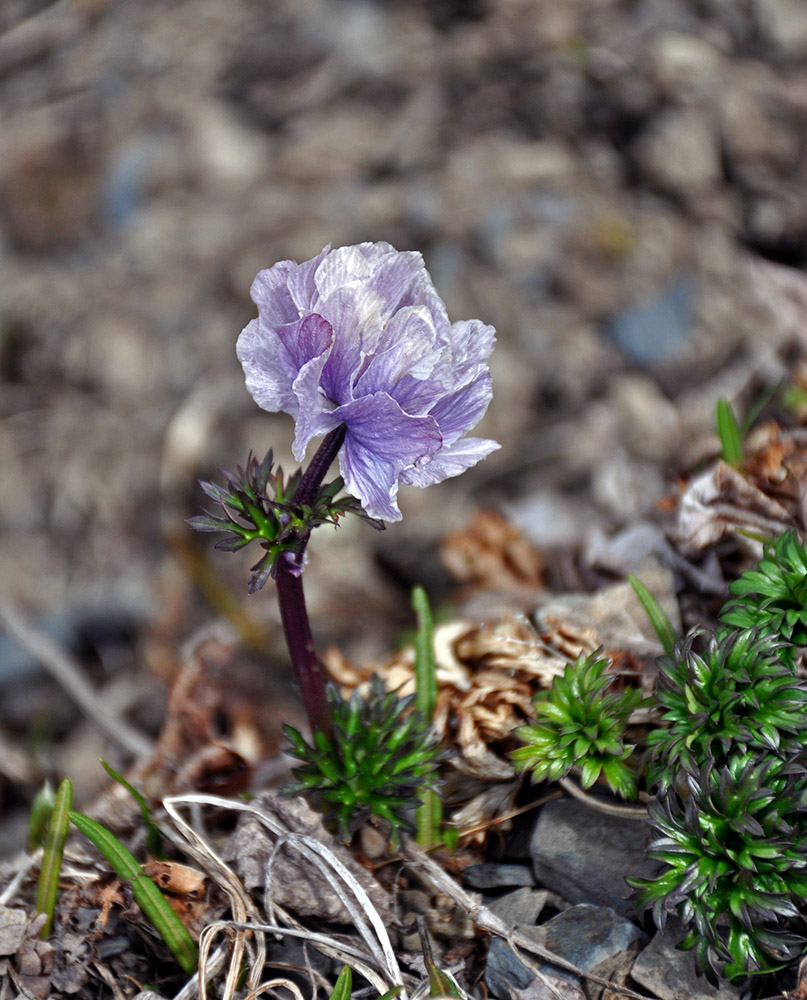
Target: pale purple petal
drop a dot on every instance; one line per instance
(371, 479)
(381, 440)
(305, 339)
(314, 413)
(406, 347)
(451, 460)
(302, 283)
(397, 278)
(379, 424)
(472, 342)
(271, 295)
(340, 267)
(263, 359)
(457, 413)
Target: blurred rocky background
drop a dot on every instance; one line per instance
(617, 185)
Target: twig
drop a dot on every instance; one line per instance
(27, 862)
(610, 809)
(487, 920)
(68, 673)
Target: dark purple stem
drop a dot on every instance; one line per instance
(291, 598)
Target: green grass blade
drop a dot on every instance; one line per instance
(392, 993)
(428, 818)
(441, 984)
(429, 814)
(154, 841)
(147, 895)
(731, 442)
(658, 619)
(41, 811)
(344, 984)
(170, 928)
(425, 667)
(52, 855)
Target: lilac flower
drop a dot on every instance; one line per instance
(359, 336)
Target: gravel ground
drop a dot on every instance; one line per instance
(619, 187)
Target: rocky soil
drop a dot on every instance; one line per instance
(617, 185)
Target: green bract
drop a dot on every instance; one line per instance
(773, 597)
(578, 724)
(735, 696)
(734, 851)
(259, 504)
(382, 753)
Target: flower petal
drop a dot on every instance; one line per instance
(268, 378)
(340, 267)
(302, 284)
(458, 412)
(271, 295)
(381, 440)
(314, 413)
(450, 461)
(305, 339)
(472, 342)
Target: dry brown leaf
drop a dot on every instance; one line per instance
(492, 554)
(722, 502)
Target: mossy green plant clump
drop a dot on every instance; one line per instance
(382, 753)
(734, 848)
(580, 724)
(734, 696)
(772, 598)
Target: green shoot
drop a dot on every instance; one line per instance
(658, 619)
(441, 984)
(154, 844)
(146, 894)
(728, 430)
(344, 984)
(41, 811)
(55, 839)
(430, 812)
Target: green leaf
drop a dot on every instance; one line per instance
(344, 984)
(654, 611)
(729, 433)
(41, 811)
(147, 895)
(392, 993)
(430, 813)
(52, 854)
(441, 984)
(153, 835)
(425, 667)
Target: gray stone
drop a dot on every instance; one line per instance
(520, 908)
(495, 876)
(506, 977)
(595, 939)
(686, 68)
(784, 25)
(681, 152)
(655, 332)
(585, 855)
(12, 929)
(670, 973)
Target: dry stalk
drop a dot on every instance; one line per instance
(488, 921)
(240, 901)
(366, 918)
(67, 672)
(600, 805)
